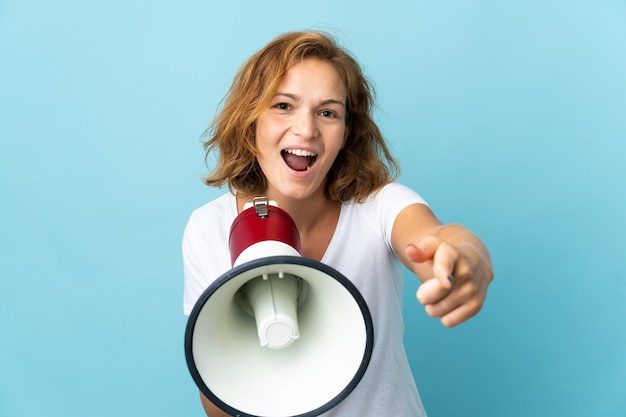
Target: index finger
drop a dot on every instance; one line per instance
(444, 261)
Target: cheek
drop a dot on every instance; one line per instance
(267, 133)
(262, 140)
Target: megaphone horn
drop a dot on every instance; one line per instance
(279, 335)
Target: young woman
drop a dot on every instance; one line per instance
(296, 127)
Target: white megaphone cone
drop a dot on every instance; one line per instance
(278, 335)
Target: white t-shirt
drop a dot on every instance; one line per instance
(361, 250)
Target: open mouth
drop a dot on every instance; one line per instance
(299, 159)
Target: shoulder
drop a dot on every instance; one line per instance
(397, 193)
(388, 200)
(222, 206)
(379, 211)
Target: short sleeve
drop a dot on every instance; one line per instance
(390, 201)
(205, 248)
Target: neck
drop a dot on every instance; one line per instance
(310, 215)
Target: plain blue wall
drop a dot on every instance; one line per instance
(509, 117)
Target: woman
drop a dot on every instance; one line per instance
(296, 127)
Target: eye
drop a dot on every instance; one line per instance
(329, 114)
(282, 106)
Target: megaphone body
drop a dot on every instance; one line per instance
(278, 335)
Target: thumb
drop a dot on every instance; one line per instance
(423, 251)
(427, 250)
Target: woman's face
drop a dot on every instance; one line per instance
(299, 136)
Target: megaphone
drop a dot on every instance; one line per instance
(278, 335)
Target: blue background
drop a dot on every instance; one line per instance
(509, 117)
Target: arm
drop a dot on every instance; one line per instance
(452, 263)
(211, 409)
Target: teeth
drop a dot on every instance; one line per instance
(300, 152)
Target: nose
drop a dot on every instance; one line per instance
(305, 125)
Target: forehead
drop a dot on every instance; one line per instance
(313, 76)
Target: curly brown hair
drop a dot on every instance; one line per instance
(363, 165)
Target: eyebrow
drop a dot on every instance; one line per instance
(323, 102)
